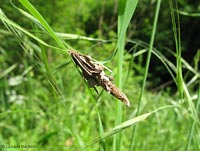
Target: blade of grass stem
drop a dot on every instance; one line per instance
(11, 25)
(119, 128)
(125, 13)
(102, 146)
(127, 124)
(120, 47)
(191, 133)
(176, 30)
(146, 68)
(182, 88)
(43, 22)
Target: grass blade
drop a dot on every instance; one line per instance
(125, 13)
(43, 22)
(147, 67)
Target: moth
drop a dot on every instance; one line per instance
(94, 74)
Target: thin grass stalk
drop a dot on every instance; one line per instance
(102, 146)
(176, 30)
(125, 13)
(21, 30)
(42, 21)
(146, 69)
(17, 30)
(182, 88)
(191, 133)
(120, 47)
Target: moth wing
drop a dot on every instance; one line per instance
(80, 62)
(91, 65)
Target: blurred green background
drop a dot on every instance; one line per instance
(59, 112)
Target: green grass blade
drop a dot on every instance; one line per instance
(176, 30)
(188, 14)
(43, 22)
(146, 68)
(127, 124)
(120, 47)
(125, 13)
(194, 124)
(120, 127)
(182, 88)
(19, 33)
(11, 25)
(8, 70)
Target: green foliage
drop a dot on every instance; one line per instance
(45, 102)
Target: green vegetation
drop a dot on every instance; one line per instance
(45, 102)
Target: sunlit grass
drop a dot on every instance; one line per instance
(45, 102)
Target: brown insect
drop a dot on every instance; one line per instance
(94, 74)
